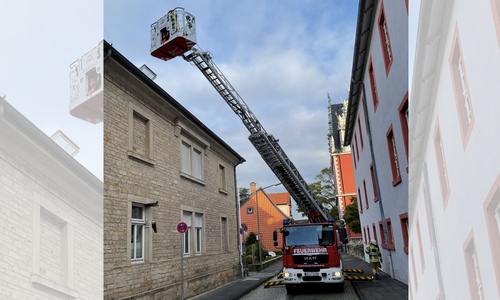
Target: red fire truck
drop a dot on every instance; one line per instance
(310, 254)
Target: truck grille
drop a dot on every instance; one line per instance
(310, 259)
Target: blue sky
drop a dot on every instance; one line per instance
(282, 57)
(40, 39)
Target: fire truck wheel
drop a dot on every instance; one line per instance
(290, 289)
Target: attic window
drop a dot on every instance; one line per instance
(250, 210)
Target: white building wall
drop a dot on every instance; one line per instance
(472, 171)
(391, 90)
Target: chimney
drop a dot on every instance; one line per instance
(252, 187)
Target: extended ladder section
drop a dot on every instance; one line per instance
(266, 144)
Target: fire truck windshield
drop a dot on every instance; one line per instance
(309, 235)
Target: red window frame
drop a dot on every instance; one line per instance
(441, 164)
(375, 192)
(470, 251)
(375, 232)
(360, 133)
(382, 235)
(385, 40)
(461, 90)
(356, 141)
(495, 10)
(406, 3)
(403, 219)
(403, 118)
(491, 209)
(390, 234)
(366, 194)
(360, 201)
(393, 156)
(369, 236)
(364, 232)
(373, 85)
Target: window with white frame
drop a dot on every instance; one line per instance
(186, 218)
(192, 160)
(198, 225)
(137, 233)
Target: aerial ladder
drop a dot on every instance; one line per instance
(175, 35)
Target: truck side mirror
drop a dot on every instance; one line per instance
(275, 238)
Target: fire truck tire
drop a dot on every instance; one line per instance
(290, 289)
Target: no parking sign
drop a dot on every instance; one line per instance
(182, 227)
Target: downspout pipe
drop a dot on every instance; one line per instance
(379, 192)
(430, 213)
(238, 218)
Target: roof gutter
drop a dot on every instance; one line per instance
(361, 44)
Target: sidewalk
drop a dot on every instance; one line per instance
(241, 287)
(385, 288)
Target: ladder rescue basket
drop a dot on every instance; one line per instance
(173, 35)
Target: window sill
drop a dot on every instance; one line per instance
(375, 200)
(136, 262)
(51, 287)
(405, 249)
(192, 178)
(222, 191)
(391, 247)
(141, 158)
(396, 181)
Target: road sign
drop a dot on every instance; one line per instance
(259, 237)
(245, 228)
(241, 230)
(182, 227)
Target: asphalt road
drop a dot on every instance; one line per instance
(307, 293)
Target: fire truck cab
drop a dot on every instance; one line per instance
(310, 254)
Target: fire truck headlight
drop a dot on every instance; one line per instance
(287, 274)
(336, 274)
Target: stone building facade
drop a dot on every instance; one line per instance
(162, 166)
(51, 217)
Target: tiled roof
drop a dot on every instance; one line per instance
(280, 198)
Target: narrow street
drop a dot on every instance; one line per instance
(278, 292)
